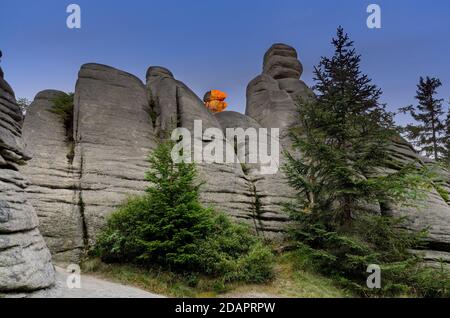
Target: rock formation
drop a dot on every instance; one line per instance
(25, 262)
(113, 136)
(75, 186)
(117, 122)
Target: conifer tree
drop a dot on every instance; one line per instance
(344, 138)
(428, 134)
(170, 227)
(343, 135)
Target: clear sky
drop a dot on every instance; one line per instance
(219, 44)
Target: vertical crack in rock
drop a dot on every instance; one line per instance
(81, 207)
(178, 108)
(114, 137)
(256, 209)
(268, 193)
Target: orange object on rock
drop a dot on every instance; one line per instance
(215, 101)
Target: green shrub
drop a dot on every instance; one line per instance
(235, 254)
(169, 227)
(344, 255)
(63, 107)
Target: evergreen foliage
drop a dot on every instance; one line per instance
(428, 134)
(23, 103)
(169, 227)
(63, 107)
(341, 225)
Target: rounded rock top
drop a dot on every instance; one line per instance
(158, 71)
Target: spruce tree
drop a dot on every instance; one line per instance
(344, 134)
(344, 138)
(428, 134)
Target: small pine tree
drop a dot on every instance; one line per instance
(427, 134)
(63, 107)
(169, 227)
(23, 103)
(167, 221)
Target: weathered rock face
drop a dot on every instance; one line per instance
(431, 212)
(25, 262)
(113, 135)
(272, 96)
(270, 191)
(54, 189)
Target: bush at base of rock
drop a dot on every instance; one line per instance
(170, 228)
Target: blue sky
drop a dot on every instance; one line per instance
(219, 44)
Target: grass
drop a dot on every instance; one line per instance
(290, 281)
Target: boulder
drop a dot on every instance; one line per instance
(25, 261)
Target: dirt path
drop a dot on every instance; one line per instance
(92, 287)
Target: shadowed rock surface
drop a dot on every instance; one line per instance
(25, 262)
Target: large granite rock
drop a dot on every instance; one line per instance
(76, 184)
(113, 136)
(25, 262)
(117, 121)
(54, 191)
